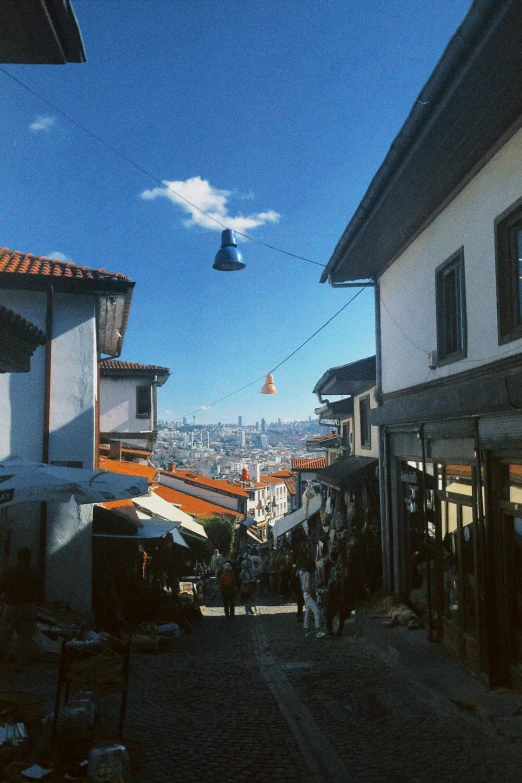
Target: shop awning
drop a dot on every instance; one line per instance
(290, 521)
(157, 506)
(346, 472)
(24, 481)
(152, 528)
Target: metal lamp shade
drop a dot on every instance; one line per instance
(269, 386)
(228, 259)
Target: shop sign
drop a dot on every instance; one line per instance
(409, 476)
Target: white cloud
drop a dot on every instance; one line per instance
(43, 123)
(204, 196)
(57, 256)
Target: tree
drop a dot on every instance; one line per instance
(220, 532)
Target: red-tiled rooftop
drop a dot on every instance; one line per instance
(120, 366)
(309, 464)
(194, 478)
(192, 505)
(16, 262)
(323, 437)
(129, 468)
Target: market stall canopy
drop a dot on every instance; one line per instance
(290, 521)
(25, 481)
(151, 528)
(154, 504)
(354, 378)
(346, 472)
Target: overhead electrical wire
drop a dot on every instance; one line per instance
(145, 171)
(231, 394)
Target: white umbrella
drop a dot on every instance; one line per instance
(24, 481)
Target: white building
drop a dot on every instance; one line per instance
(49, 414)
(129, 402)
(439, 233)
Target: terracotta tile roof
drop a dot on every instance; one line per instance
(323, 437)
(130, 367)
(11, 319)
(309, 464)
(116, 504)
(129, 468)
(195, 479)
(289, 479)
(192, 505)
(273, 479)
(14, 261)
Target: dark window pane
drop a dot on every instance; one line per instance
(143, 401)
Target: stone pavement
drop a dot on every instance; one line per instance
(250, 698)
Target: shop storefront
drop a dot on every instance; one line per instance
(454, 536)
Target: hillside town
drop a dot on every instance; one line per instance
(332, 598)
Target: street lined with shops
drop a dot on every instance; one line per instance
(251, 697)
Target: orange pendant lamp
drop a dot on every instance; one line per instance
(269, 385)
(245, 476)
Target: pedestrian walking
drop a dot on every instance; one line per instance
(22, 588)
(296, 589)
(215, 563)
(247, 585)
(228, 590)
(350, 588)
(306, 575)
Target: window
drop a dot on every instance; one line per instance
(509, 274)
(364, 422)
(451, 309)
(143, 401)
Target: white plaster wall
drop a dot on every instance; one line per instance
(374, 440)
(228, 501)
(72, 435)
(73, 380)
(118, 405)
(22, 394)
(408, 286)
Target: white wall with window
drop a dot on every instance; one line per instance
(366, 438)
(478, 230)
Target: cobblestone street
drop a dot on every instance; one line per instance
(252, 698)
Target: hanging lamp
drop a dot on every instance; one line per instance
(228, 259)
(245, 476)
(269, 386)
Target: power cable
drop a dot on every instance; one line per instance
(147, 173)
(191, 413)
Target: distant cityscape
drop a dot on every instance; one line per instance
(221, 450)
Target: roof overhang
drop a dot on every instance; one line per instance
(470, 105)
(43, 32)
(18, 341)
(354, 378)
(346, 472)
(337, 410)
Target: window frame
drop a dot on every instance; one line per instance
(509, 315)
(148, 414)
(367, 443)
(455, 261)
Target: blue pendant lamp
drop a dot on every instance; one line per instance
(228, 259)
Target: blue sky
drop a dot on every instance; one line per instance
(273, 115)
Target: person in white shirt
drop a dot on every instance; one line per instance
(307, 578)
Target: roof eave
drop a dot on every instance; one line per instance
(486, 23)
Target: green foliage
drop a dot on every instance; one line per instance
(220, 532)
